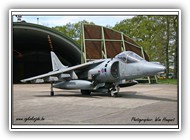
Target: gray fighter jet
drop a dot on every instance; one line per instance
(104, 75)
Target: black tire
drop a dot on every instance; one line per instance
(114, 89)
(115, 94)
(85, 92)
(52, 93)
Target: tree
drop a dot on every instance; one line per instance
(72, 30)
(156, 34)
(175, 44)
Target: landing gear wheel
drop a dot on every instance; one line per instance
(114, 91)
(85, 92)
(52, 92)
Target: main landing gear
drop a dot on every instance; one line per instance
(85, 92)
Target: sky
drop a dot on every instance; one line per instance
(51, 21)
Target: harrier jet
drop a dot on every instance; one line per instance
(104, 75)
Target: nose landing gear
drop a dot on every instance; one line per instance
(114, 91)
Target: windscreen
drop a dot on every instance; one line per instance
(129, 57)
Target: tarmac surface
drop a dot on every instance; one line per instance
(139, 104)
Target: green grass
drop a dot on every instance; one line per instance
(167, 81)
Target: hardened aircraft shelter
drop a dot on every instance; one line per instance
(31, 50)
(101, 42)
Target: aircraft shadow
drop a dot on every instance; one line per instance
(72, 94)
(124, 95)
(134, 95)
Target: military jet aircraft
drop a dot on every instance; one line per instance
(104, 75)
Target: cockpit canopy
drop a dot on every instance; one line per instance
(129, 57)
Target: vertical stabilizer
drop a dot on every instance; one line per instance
(56, 63)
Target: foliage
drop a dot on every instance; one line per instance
(156, 34)
(72, 30)
(167, 81)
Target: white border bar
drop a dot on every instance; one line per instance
(94, 12)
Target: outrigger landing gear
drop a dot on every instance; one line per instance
(52, 92)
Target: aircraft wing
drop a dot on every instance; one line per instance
(65, 70)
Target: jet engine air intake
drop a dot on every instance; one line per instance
(115, 69)
(106, 72)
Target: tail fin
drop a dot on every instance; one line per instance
(56, 63)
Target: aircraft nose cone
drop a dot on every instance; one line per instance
(163, 68)
(156, 68)
(153, 69)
